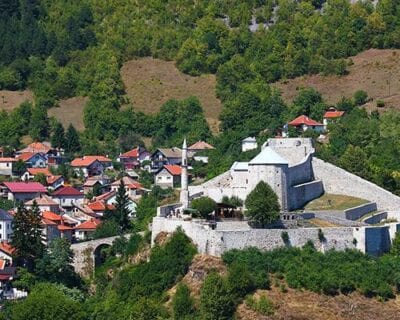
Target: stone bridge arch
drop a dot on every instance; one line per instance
(85, 254)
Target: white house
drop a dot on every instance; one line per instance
(89, 166)
(249, 143)
(5, 225)
(45, 203)
(169, 176)
(6, 166)
(86, 229)
(68, 197)
(331, 115)
(305, 123)
(133, 188)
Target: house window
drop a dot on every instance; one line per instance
(63, 200)
(159, 178)
(1, 226)
(168, 178)
(7, 164)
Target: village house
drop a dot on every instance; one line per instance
(22, 191)
(99, 207)
(52, 181)
(65, 231)
(110, 199)
(53, 156)
(91, 186)
(249, 143)
(331, 116)
(169, 176)
(198, 150)
(133, 188)
(87, 166)
(67, 197)
(33, 160)
(5, 225)
(49, 231)
(81, 214)
(45, 203)
(304, 123)
(165, 156)
(85, 230)
(133, 158)
(7, 166)
(6, 251)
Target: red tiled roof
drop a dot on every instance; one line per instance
(35, 171)
(100, 206)
(6, 247)
(2, 264)
(25, 156)
(129, 182)
(173, 169)
(27, 187)
(37, 147)
(333, 114)
(43, 200)
(90, 224)
(304, 120)
(88, 160)
(67, 191)
(52, 179)
(134, 153)
(48, 222)
(201, 145)
(51, 216)
(8, 160)
(105, 196)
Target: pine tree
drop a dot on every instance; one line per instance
(72, 143)
(39, 126)
(58, 137)
(122, 211)
(27, 235)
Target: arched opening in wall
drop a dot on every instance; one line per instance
(100, 254)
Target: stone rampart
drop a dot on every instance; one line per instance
(339, 181)
(357, 212)
(376, 218)
(299, 195)
(301, 172)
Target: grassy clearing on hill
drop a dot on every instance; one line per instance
(70, 111)
(151, 82)
(373, 71)
(12, 99)
(334, 202)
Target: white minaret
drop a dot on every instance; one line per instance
(184, 197)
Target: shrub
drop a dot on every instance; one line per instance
(321, 236)
(204, 205)
(182, 302)
(380, 103)
(285, 237)
(262, 205)
(360, 97)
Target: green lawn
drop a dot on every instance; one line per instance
(334, 202)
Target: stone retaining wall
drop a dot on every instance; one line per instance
(357, 212)
(339, 181)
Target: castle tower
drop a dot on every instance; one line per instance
(184, 196)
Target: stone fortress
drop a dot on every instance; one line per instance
(288, 165)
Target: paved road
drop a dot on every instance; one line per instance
(338, 217)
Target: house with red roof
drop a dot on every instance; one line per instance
(133, 188)
(304, 123)
(331, 116)
(91, 165)
(6, 251)
(6, 166)
(49, 231)
(67, 197)
(53, 156)
(45, 203)
(52, 181)
(6, 229)
(133, 158)
(169, 176)
(63, 227)
(22, 191)
(85, 230)
(32, 160)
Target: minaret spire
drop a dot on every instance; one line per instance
(184, 197)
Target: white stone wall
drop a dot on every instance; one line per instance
(292, 149)
(339, 181)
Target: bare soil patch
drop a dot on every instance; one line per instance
(12, 99)
(149, 83)
(375, 71)
(70, 111)
(305, 305)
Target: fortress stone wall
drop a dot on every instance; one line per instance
(339, 181)
(373, 240)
